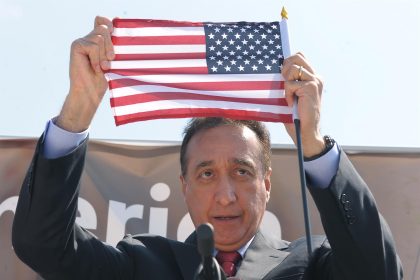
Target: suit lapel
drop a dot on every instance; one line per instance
(261, 257)
(187, 257)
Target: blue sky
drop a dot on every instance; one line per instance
(366, 52)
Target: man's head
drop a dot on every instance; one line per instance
(226, 177)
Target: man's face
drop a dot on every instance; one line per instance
(225, 184)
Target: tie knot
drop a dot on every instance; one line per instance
(228, 261)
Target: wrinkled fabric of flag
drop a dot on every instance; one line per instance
(172, 69)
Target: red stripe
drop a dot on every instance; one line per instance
(138, 23)
(202, 112)
(159, 71)
(157, 56)
(245, 85)
(159, 40)
(158, 96)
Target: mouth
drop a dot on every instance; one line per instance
(226, 218)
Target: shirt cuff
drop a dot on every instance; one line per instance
(321, 170)
(59, 142)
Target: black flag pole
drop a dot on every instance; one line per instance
(296, 121)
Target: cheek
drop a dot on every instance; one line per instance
(198, 206)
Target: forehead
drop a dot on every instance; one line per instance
(226, 141)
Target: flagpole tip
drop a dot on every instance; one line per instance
(284, 13)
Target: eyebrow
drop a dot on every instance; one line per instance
(239, 161)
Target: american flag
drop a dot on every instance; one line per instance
(173, 69)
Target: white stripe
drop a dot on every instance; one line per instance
(179, 104)
(142, 49)
(134, 90)
(168, 63)
(189, 78)
(159, 31)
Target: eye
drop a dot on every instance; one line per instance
(206, 174)
(242, 172)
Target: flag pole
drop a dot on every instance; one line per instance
(296, 121)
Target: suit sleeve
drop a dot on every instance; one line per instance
(44, 233)
(362, 246)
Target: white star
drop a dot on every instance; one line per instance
(227, 69)
(270, 42)
(223, 25)
(277, 36)
(241, 68)
(260, 61)
(211, 36)
(255, 68)
(243, 29)
(273, 61)
(224, 36)
(214, 69)
(212, 48)
(245, 52)
(225, 48)
(264, 36)
(261, 26)
(279, 56)
(239, 57)
(268, 67)
(250, 36)
(230, 29)
(265, 47)
(278, 47)
(256, 30)
(235, 26)
(274, 26)
(233, 62)
(252, 56)
(219, 62)
(258, 52)
(251, 47)
(212, 57)
(225, 57)
(219, 53)
(217, 29)
(257, 42)
(248, 26)
(238, 47)
(246, 61)
(210, 24)
(272, 52)
(266, 56)
(244, 42)
(237, 36)
(269, 31)
(232, 53)
(231, 42)
(218, 42)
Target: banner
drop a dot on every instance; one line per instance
(135, 189)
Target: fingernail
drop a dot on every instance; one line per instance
(110, 55)
(105, 65)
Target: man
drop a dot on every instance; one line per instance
(226, 182)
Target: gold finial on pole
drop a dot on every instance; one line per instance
(284, 13)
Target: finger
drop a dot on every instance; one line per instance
(90, 50)
(296, 59)
(301, 88)
(297, 73)
(104, 31)
(104, 21)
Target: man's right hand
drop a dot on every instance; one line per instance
(89, 57)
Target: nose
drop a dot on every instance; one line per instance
(225, 193)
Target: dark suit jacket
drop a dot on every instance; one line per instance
(46, 238)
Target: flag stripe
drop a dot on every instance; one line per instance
(258, 85)
(159, 40)
(154, 71)
(159, 31)
(199, 112)
(181, 78)
(156, 49)
(180, 104)
(155, 56)
(268, 93)
(157, 96)
(164, 63)
(136, 23)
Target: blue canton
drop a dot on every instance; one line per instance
(243, 47)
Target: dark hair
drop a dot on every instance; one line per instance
(196, 125)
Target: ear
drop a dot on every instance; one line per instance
(183, 184)
(267, 182)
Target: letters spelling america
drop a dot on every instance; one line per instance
(173, 69)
